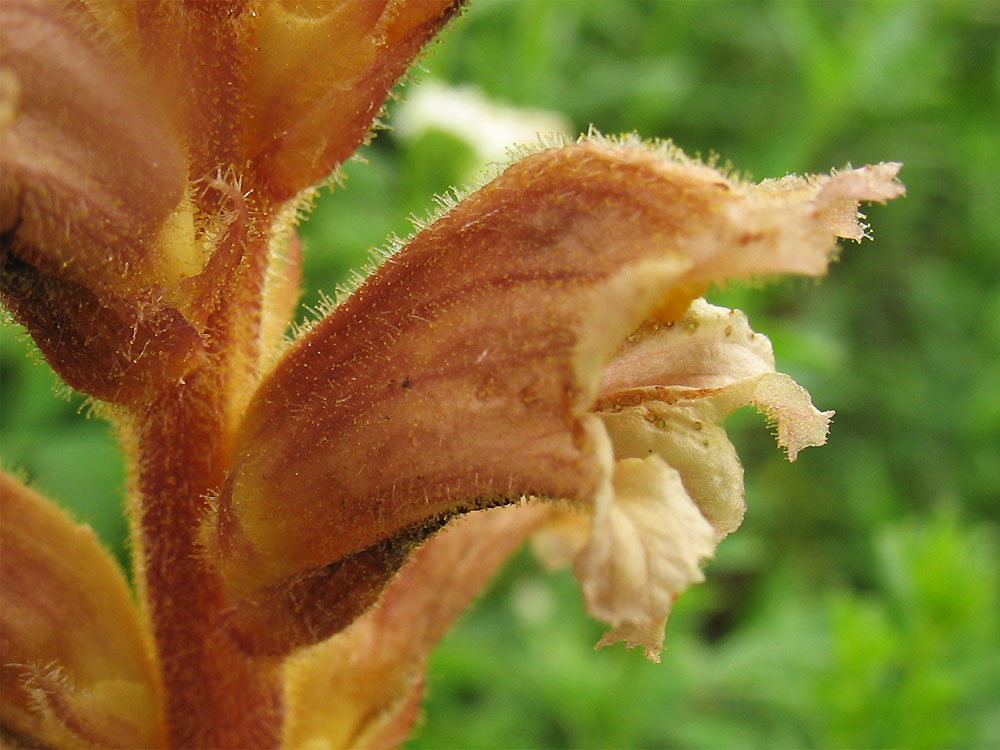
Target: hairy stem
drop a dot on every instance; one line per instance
(217, 696)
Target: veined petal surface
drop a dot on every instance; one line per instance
(663, 398)
(672, 384)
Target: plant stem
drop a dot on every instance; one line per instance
(216, 696)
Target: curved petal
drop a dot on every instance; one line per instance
(462, 373)
(77, 668)
(362, 689)
(707, 348)
(786, 403)
(787, 225)
(90, 175)
(665, 396)
(646, 546)
(318, 77)
(673, 383)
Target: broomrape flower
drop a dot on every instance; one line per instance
(308, 518)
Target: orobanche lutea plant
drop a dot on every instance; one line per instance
(307, 517)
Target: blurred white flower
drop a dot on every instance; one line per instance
(490, 128)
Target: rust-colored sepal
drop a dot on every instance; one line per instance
(77, 665)
(465, 371)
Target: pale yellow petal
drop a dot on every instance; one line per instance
(671, 386)
(669, 389)
(690, 439)
(708, 347)
(647, 545)
(800, 424)
(663, 399)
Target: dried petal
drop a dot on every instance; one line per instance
(77, 664)
(793, 226)
(836, 196)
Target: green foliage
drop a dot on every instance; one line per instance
(50, 438)
(858, 606)
(911, 663)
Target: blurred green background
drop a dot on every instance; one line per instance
(859, 604)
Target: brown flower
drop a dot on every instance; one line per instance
(542, 345)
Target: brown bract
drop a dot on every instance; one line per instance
(377, 665)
